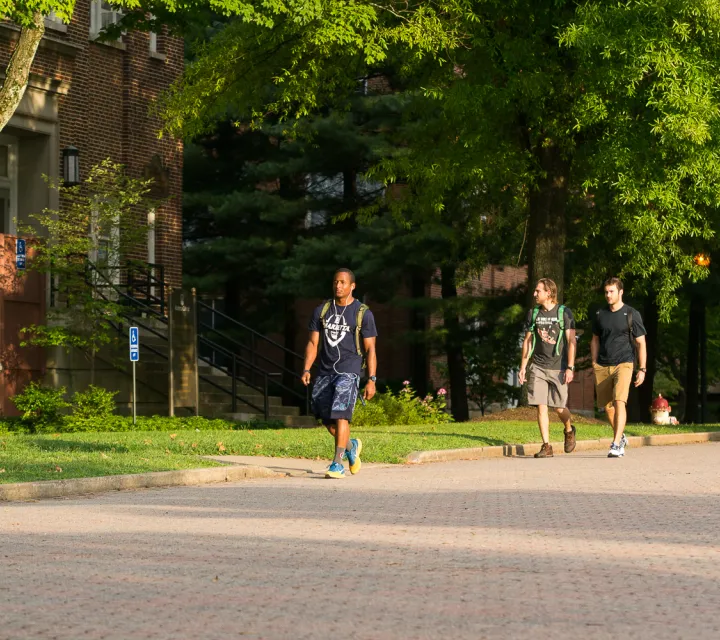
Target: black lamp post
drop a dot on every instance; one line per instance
(703, 260)
(71, 166)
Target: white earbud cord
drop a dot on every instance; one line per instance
(337, 346)
(354, 376)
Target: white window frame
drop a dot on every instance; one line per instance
(112, 240)
(55, 23)
(153, 44)
(10, 182)
(102, 14)
(151, 218)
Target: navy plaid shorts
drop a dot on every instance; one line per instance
(334, 397)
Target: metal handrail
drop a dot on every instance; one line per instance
(150, 281)
(234, 396)
(237, 361)
(231, 354)
(116, 288)
(243, 346)
(253, 367)
(252, 331)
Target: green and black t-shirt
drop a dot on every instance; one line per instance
(547, 334)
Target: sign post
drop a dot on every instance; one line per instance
(134, 357)
(20, 254)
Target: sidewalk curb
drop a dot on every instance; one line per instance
(179, 478)
(512, 450)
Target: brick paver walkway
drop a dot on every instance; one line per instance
(574, 547)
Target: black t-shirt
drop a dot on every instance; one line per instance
(616, 345)
(547, 334)
(338, 353)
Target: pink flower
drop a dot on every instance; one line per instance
(406, 382)
(442, 392)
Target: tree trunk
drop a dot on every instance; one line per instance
(697, 309)
(18, 69)
(645, 391)
(418, 324)
(547, 225)
(641, 397)
(453, 348)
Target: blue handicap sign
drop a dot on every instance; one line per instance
(134, 345)
(20, 253)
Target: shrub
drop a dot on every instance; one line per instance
(40, 404)
(402, 408)
(94, 402)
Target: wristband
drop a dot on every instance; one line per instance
(306, 370)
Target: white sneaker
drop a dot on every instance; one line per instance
(624, 442)
(616, 451)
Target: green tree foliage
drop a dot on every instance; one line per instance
(557, 105)
(491, 350)
(254, 196)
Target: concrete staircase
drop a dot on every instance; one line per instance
(215, 386)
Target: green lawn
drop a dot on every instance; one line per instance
(71, 455)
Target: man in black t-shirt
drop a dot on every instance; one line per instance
(335, 332)
(618, 332)
(550, 343)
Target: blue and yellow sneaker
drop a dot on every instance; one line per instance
(335, 470)
(353, 455)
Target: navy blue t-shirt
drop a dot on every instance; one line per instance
(337, 351)
(616, 343)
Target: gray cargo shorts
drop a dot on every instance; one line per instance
(546, 386)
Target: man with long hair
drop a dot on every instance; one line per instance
(549, 347)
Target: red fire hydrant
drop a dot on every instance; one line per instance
(660, 411)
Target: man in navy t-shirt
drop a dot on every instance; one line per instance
(335, 333)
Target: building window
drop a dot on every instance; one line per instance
(153, 42)
(102, 14)
(8, 184)
(105, 248)
(151, 237)
(54, 23)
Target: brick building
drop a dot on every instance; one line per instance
(96, 97)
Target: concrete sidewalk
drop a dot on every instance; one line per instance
(530, 449)
(576, 547)
(294, 467)
(251, 467)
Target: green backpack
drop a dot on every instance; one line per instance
(358, 328)
(561, 324)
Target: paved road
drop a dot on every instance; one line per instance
(574, 547)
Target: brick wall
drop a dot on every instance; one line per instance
(105, 112)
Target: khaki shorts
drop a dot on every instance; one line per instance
(613, 383)
(547, 387)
